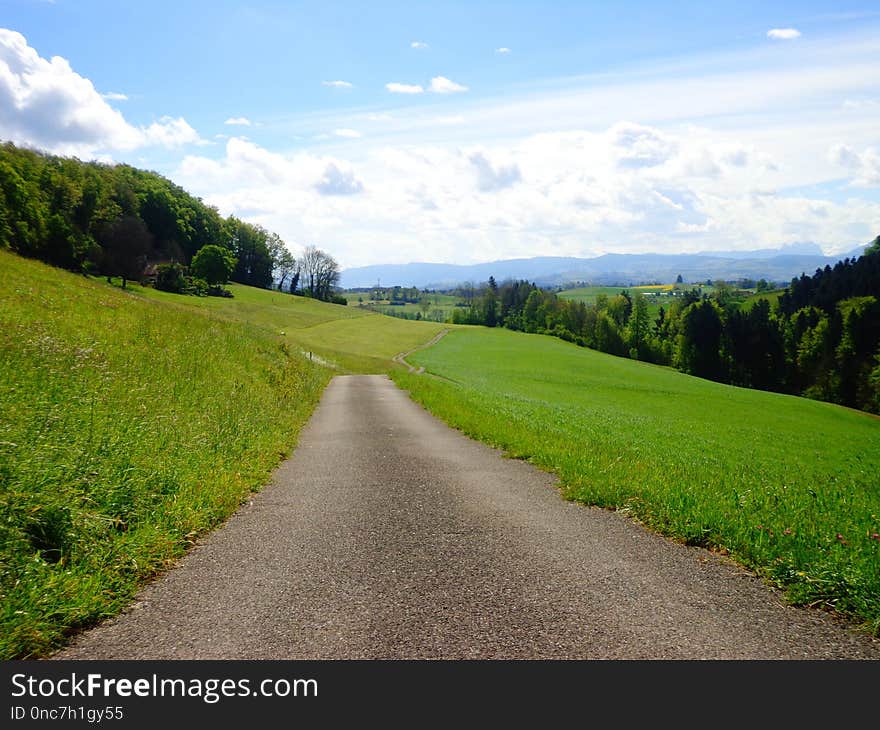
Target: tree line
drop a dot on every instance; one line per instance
(120, 221)
(820, 339)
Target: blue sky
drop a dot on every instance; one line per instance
(462, 132)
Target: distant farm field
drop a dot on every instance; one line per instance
(436, 307)
(786, 485)
(658, 295)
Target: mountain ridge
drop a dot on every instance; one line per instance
(779, 265)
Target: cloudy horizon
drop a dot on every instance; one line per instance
(757, 133)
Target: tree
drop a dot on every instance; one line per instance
(699, 345)
(639, 325)
(125, 245)
(214, 264)
(679, 280)
(490, 303)
(171, 277)
(321, 273)
(249, 244)
(285, 265)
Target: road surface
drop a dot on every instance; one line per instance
(389, 535)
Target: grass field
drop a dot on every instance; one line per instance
(349, 338)
(132, 422)
(658, 295)
(770, 296)
(787, 486)
(588, 294)
(440, 306)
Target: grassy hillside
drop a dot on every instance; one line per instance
(788, 486)
(351, 339)
(132, 422)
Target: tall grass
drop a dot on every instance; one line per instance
(787, 486)
(128, 427)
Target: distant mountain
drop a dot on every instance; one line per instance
(803, 248)
(780, 264)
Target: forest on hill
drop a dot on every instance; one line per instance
(820, 338)
(120, 221)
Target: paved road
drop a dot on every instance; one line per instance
(389, 535)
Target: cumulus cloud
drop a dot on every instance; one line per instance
(47, 104)
(396, 88)
(783, 34)
(442, 85)
(348, 133)
(419, 45)
(503, 50)
(493, 177)
(338, 182)
(628, 188)
(114, 96)
(864, 166)
(238, 122)
(338, 84)
(170, 132)
(640, 146)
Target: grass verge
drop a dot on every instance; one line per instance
(787, 486)
(128, 427)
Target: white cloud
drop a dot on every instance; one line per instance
(396, 88)
(493, 177)
(503, 50)
(783, 34)
(238, 122)
(338, 84)
(442, 85)
(338, 181)
(419, 45)
(554, 193)
(114, 96)
(722, 152)
(45, 103)
(170, 132)
(348, 133)
(865, 166)
(640, 146)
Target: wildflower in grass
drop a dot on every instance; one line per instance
(876, 536)
(841, 539)
(788, 531)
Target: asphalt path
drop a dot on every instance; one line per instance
(389, 535)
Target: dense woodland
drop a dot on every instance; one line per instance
(119, 221)
(820, 339)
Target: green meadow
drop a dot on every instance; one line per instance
(131, 422)
(439, 307)
(658, 295)
(786, 486)
(346, 338)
